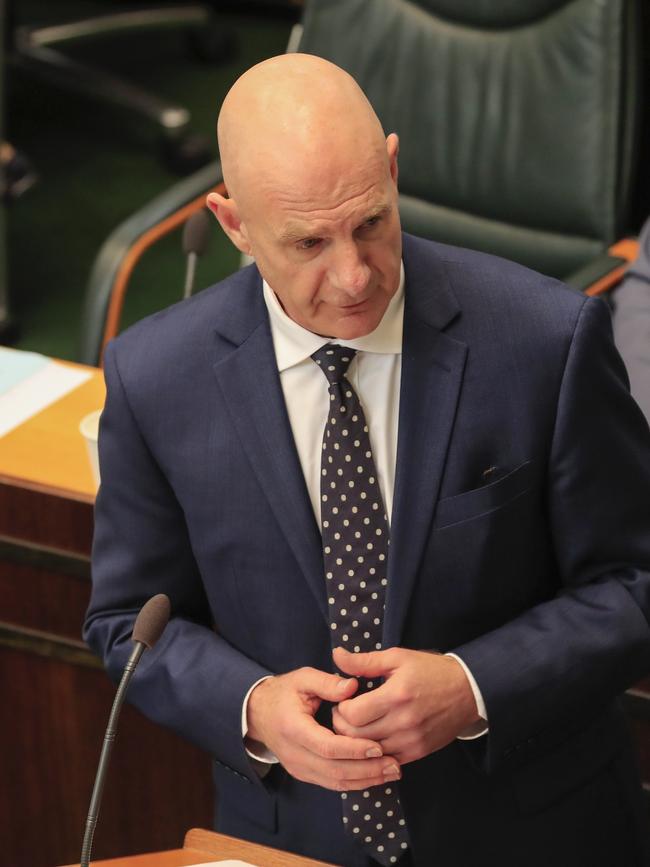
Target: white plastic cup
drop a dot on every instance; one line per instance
(89, 429)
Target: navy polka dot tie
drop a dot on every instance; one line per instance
(355, 555)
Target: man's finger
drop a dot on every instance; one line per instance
(366, 721)
(346, 776)
(324, 743)
(329, 687)
(346, 781)
(377, 663)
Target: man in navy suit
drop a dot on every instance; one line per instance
(514, 470)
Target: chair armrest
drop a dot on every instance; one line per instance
(122, 249)
(602, 274)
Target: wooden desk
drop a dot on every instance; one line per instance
(55, 695)
(47, 452)
(201, 847)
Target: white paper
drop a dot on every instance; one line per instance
(226, 864)
(37, 391)
(16, 365)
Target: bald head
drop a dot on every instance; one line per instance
(312, 186)
(293, 113)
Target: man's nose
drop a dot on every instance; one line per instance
(349, 273)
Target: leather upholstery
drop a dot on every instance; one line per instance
(516, 119)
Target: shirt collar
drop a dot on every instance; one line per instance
(293, 343)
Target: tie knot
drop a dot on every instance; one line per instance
(334, 361)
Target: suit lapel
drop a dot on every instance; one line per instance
(432, 372)
(248, 378)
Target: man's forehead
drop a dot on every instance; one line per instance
(312, 188)
(293, 228)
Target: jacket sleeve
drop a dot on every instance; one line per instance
(555, 668)
(192, 681)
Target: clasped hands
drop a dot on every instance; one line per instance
(424, 703)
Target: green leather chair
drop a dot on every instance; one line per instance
(4, 293)
(519, 123)
(518, 119)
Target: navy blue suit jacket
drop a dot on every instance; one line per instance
(537, 575)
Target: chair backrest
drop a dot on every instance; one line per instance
(124, 248)
(4, 291)
(518, 119)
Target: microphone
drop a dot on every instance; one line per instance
(148, 628)
(196, 235)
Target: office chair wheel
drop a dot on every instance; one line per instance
(187, 154)
(16, 173)
(213, 44)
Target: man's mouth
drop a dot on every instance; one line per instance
(354, 306)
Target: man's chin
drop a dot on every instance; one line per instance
(355, 324)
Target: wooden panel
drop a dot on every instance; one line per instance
(55, 696)
(47, 644)
(25, 553)
(45, 518)
(40, 599)
(54, 716)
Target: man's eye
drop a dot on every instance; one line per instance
(370, 223)
(308, 243)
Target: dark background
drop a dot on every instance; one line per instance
(97, 164)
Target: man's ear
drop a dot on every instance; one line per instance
(392, 148)
(226, 211)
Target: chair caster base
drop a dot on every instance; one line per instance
(214, 44)
(185, 155)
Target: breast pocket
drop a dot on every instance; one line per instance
(486, 499)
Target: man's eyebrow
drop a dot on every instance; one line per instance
(379, 210)
(294, 232)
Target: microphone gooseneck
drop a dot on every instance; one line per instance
(148, 628)
(196, 235)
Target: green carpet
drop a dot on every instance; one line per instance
(97, 164)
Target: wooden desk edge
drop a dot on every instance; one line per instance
(223, 846)
(51, 490)
(201, 846)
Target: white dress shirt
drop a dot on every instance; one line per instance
(374, 373)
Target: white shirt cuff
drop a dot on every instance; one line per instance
(261, 753)
(480, 727)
